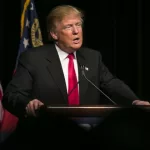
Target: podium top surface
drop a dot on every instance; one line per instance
(88, 111)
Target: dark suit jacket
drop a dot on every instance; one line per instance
(39, 75)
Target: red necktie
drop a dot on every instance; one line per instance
(73, 93)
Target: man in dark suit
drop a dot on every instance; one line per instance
(43, 77)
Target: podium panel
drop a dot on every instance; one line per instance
(92, 114)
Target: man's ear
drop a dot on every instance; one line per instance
(54, 35)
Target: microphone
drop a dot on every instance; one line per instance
(83, 73)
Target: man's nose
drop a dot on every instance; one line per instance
(75, 30)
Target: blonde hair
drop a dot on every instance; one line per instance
(58, 13)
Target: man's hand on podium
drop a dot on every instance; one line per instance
(140, 102)
(32, 106)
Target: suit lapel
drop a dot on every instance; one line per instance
(83, 84)
(55, 69)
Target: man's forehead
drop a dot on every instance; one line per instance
(70, 19)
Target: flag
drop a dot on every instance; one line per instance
(8, 121)
(1, 108)
(30, 28)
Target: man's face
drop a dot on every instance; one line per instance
(68, 33)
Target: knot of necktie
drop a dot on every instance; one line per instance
(71, 56)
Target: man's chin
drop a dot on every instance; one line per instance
(76, 46)
(73, 48)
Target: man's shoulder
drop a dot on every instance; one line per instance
(90, 51)
(41, 50)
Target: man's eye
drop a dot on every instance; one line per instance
(67, 27)
(79, 24)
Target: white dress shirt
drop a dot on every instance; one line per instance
(64, 63)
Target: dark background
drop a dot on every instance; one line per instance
(119, 29)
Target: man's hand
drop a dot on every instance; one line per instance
(32, 106)
(139, 102)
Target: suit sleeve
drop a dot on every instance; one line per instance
(120, 92)
(18, 92)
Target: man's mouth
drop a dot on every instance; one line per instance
(76, 40)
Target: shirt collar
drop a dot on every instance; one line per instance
(62, 54)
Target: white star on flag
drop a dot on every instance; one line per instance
(32, 8)
(25, 42)
(27, 23)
